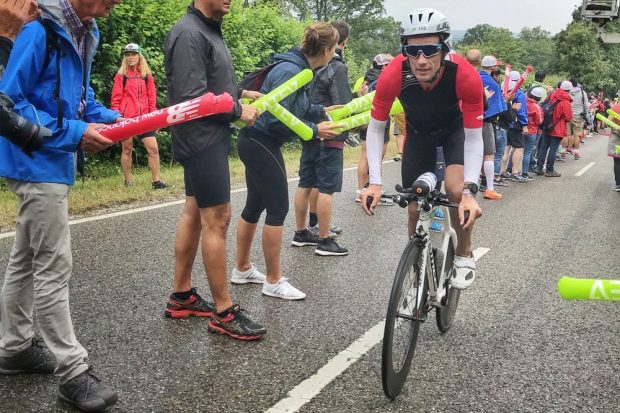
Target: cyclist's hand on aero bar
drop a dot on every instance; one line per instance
(373, 192)
(469, 205)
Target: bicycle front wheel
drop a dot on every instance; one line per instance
(445, 313)
(406, 310)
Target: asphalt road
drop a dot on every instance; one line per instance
(514, 346)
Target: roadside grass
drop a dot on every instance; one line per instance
(108, 192)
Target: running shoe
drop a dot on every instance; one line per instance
(504, 175)
(159, 185)
(464, 272)
(539, 172)
(250, 276)
(329, 247)
(492, 194)
(283, 289)
(34, 359)
(336, 229)
(315, 232)
(499, 181)
(233, 322)
(304, 238)
(552, 174)
(527, 176)
(88, 392)
(616, 188)
(194, 306)
(518, 178)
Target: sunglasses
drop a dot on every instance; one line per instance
(428, 50)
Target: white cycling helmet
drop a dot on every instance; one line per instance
(426, 21)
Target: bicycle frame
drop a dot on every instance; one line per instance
(437, 284)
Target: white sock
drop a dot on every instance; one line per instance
(489, 171)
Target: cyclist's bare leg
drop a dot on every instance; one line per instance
(454, 189)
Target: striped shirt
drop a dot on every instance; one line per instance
(79, 29)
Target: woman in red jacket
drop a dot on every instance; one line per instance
(133, 95)
(562, 113)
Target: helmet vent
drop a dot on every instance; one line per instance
(430, 16)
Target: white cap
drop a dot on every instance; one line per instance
(566, 85)
(381, 59)
(538, 92)
(514, 78)
(489, 61)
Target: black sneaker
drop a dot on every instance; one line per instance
(539, 172)
(159, 185)
(235, 323)
(527, 176)
(304, 238)
(87, 392)
(552, 174)
(35, 359)
(329, 246)
(194, 306)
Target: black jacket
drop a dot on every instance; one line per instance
(330, 86)
(198, 61)
(6, 45)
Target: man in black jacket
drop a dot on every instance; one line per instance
(13, 15)
(197, 61)
(320, 170)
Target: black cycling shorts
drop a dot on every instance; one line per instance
(207, 176)
(420, 152)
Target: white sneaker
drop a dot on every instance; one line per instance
(464, 272)
(250, 276)
(283, 289)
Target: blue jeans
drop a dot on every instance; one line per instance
(530, 144)
(501, 139)
(548, 148)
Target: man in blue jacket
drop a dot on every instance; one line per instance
(516, 131)
(496, 105)
(40, 263)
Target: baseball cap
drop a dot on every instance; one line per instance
(566, 85)
(131, 47)
(537, 92)
(381, 59)
(489, 61)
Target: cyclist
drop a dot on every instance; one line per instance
(443, 99)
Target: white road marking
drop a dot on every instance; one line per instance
(151, 207)
(585, 169)
(313, 385)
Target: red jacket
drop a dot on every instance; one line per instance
(562, 114)
(137, 97)
(534, 116)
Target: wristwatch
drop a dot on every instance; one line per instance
(471, 188)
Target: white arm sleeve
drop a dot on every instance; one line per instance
(474, 148)
(374, 149)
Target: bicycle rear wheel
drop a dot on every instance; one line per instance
(445, 314)
(406, 310)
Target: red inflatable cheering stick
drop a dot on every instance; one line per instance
(524, 75)
(206, 105)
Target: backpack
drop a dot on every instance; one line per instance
(254, 80)
(548, 108)
(145, 78)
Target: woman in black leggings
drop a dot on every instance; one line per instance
(259, 150)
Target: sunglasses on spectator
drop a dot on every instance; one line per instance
(428, 50)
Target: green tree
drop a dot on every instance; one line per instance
(580, 54)
(539, 47)
(496, 41)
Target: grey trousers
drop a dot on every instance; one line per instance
(37, 277)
